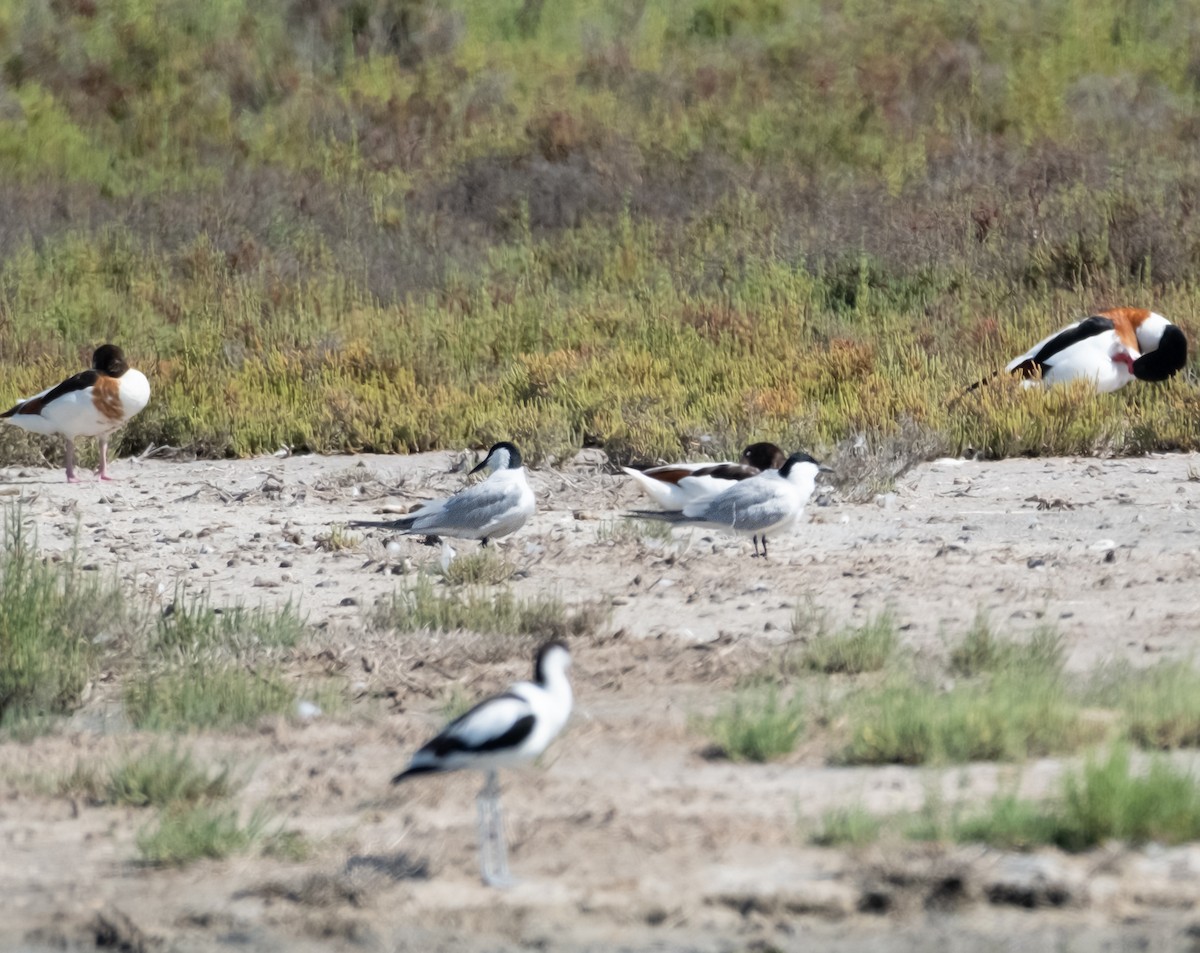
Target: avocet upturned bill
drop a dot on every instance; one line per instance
(675, 485)
(93, 403)
(772, 500)
(499, 505)
(1110, 348)
(511, 728)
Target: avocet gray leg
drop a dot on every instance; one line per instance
(493, 851)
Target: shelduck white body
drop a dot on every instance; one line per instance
(93, 403)
(1110, 348)
(675, 485)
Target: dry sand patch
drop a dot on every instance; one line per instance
(626, 837)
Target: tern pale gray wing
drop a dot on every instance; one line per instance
(473, 509)
(751, 506)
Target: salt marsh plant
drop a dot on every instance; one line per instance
(1006, 718)
(650, 227)
(205, 695)
(165, 777)
(213, 667)
(54, 620)
(186, 834)
(191, 624)
(850, 651)
(1108, 799)
(756, 724)
(847, 827)
(1160, 705)
(421, 606)
(983, 651)
(484, 567)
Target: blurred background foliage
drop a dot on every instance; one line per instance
(663, 227)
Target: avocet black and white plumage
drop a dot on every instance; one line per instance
(93, 403)
(772, 500)
(508, 729)
(675, 485)
(499, 505)
(1111, 348)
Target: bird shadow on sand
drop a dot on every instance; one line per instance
(354, 885)
(398, 866)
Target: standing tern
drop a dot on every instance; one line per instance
(511, 728)
(92, 403)
(772, 500)
(498, 506)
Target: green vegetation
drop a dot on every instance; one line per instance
(1009, 717)
(213, 667)
(1018, 705)
(756, 725)
(54, 619)
(191, 625)
(847, 827)
(1161, 705)
(157, 777)
(422, 606)
(484, 567)
(337, 539)
(852, 651)
(396, 225)
(165, 777)
(1106, 800)
(981, 652)
(205, 695)
(193, 833)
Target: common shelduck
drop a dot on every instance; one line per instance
(93, 403)
(507, 729)
(772, 500)
(499, 505)
(1111, 348)
(675, 485)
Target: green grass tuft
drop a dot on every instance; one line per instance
(484, 567)
(982, 652)
(162, 778)
(184, 835)
(852, 651)
(1106, 800)
(206, 696)
(1008, 717)
(337, 539)
(847, 827)
(54, 620)
(1160, 706)
(756, 725)
(421, 606)
(191, 625)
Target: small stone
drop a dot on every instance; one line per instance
(307, 711)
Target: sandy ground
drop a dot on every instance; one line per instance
(625, 837)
